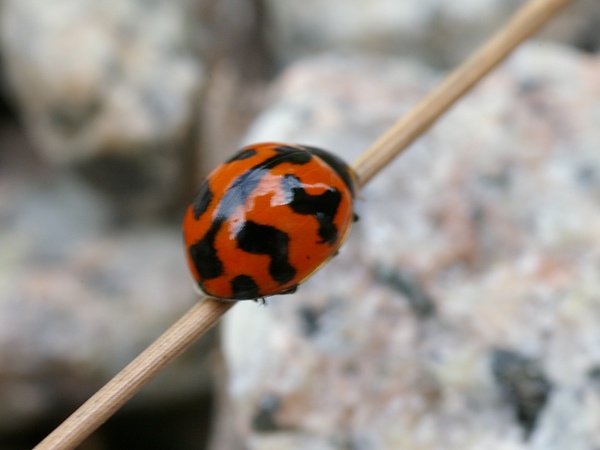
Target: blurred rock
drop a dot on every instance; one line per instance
(577, 25)
(80, 298)
(570, 420)
(438, 32)
(117, 88)
(493, 218)
(110, 87)
(231, 37)
(524, 384)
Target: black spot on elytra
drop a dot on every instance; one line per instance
(322, 207)
(244, 185)
(202, 200)
(244, 287)
(204, 255)
(292, 155)
(266, 240)
(243, 154)
(337, 164)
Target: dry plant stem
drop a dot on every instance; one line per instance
(136, 375)
(523, 24)
(206, 313)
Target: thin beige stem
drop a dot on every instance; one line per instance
(523, 24)
(205, 314)
(103, 404)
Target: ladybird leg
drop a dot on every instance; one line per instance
(289, 290)
(261, 301)
(355, 217)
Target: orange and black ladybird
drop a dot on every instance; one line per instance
(266, 219)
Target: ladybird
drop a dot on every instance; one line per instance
(266, 219)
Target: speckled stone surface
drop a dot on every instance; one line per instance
(463, 305)
(107, 87)
(80, 297)
(437, 32)
(463, 311)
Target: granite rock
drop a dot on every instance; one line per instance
(462, 312)
(235, 49)
(108, 87)
(80, 297)
(437, 32)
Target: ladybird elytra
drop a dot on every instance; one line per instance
(266, 219)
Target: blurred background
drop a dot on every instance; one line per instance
(112, 112)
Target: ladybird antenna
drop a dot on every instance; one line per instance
(205, 314)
